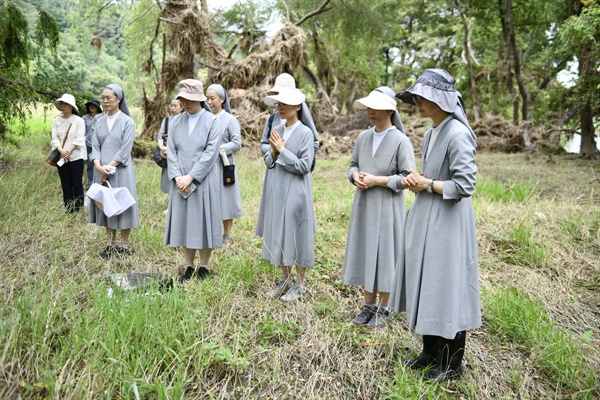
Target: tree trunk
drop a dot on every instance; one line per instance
(587, 62)
(504, 60)
(468, 56)
(352, 95)
(517, 69)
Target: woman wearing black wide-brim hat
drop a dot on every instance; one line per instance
(437, 280)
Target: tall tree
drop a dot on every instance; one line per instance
(19, 43)
(581, 32)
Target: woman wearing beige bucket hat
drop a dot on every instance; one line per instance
(437, 281)
(382, 157)
(194, 212)
(286, 217)
(68, 137)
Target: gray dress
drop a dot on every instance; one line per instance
(376, 231)
(115, 145)
(231, 141)
(286, 217)
(437, 282)
(194, 222)
(164, 174)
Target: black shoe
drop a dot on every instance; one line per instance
(429, 357)
(188, 274)
(450, 364)
(201, 273)
(108, 252)
(122, 251)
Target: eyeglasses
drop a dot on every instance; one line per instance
(417, 99)
(107, 98)
(279, 105)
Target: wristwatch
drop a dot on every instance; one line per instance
(430, 186)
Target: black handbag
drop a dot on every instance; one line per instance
(157, 156)
(55, 156)
(228, 169)
(228, 175)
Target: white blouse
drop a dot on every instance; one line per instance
(75, 125)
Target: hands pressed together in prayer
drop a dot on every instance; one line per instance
(277, 144)
(183, 183)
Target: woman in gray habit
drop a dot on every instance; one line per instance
(437, 281)
(382, 157)
(286, 217)
(161, 137)
(194, 216)
(231, 142)
(112, 142)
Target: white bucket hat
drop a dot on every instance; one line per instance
(292, 97)
(283, 81)
(68, 99)
(377, 100)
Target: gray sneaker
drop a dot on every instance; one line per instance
(282, 287)
(365, 315)
(296, 292)
(380, 318)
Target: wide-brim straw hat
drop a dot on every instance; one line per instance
(283, 81)
(376, 100)
(435, 85)
(191, 89)
(291, 97)
(68, 99)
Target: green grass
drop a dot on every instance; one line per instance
(515, 316)
(506, 191)
(62, 336)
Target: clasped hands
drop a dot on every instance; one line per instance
(66, 154)
(415, 182)
(183, 183)
(364, 180)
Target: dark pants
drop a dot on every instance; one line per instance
(71, 180)
(90, 167)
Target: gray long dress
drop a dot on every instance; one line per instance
(231, 141)
(376, 231)
(286, 217)
(437, 282)
(115, 145)
(194, 222)
(164, 174)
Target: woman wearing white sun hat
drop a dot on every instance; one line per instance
(286, 216)
(382, 157)
(437, 281)
(68, 136)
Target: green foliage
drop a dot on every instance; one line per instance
(520, 247)
(276, 332)
(513, 315)
(506, 191)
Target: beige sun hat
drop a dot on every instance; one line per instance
(376, 100)
(292, 97)
(67, 99)
(191, 89)
(283, 81)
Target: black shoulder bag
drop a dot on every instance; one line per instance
(157, 154)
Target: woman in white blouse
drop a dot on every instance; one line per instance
(68, 137)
